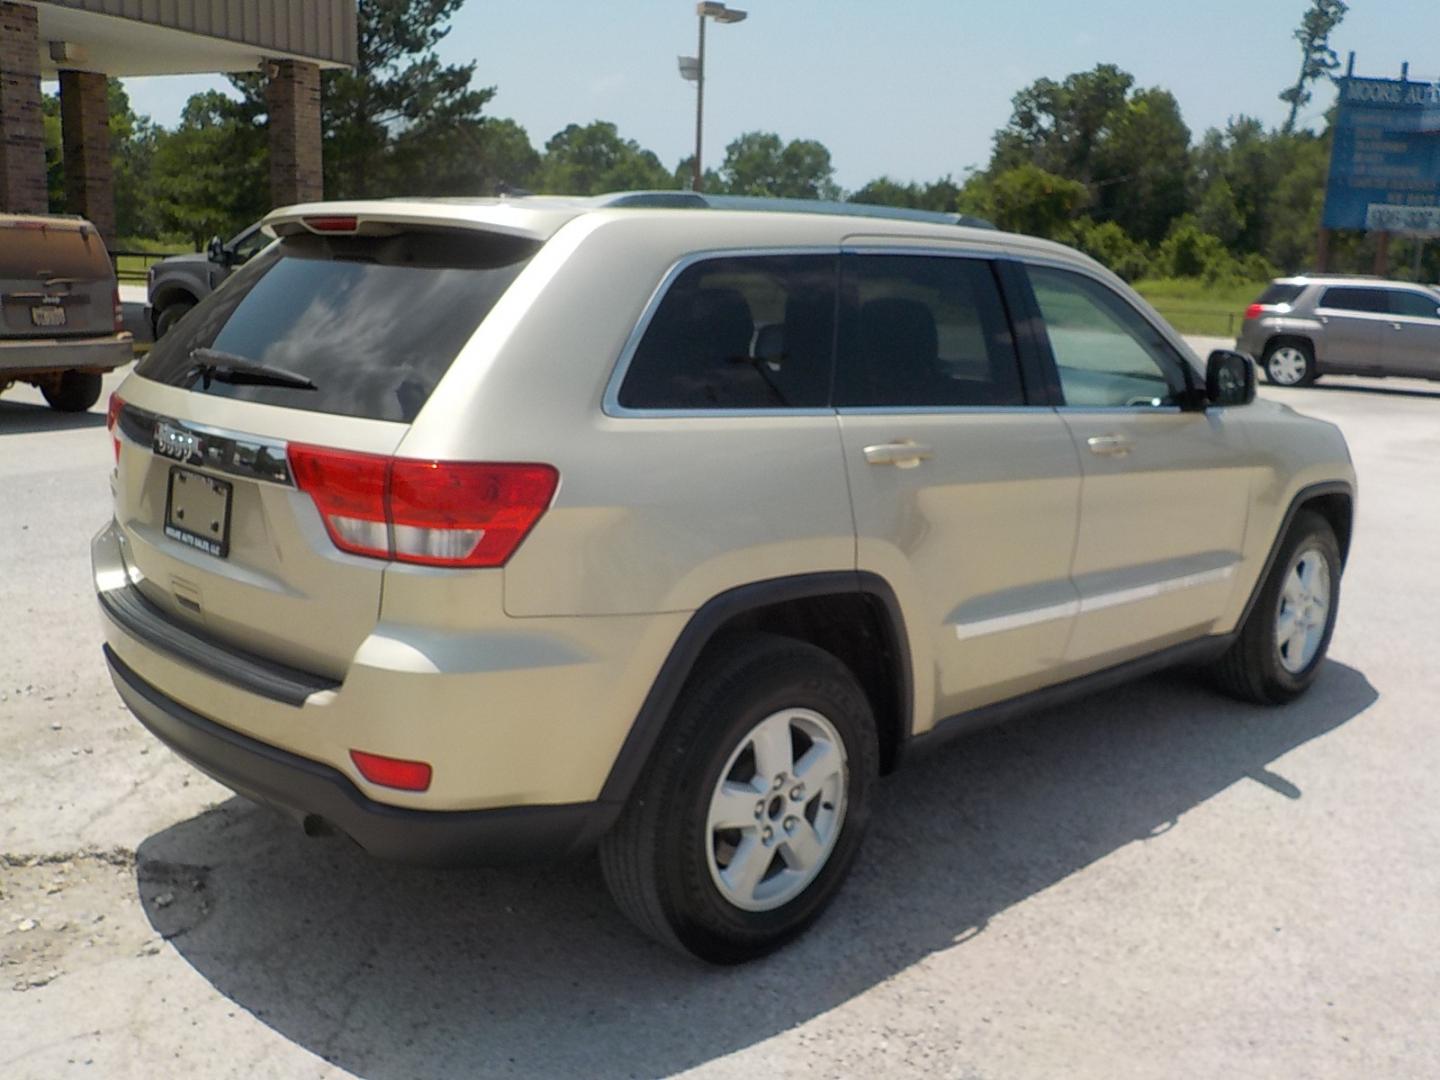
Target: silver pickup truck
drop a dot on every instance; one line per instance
(59, 309)
(176, 284)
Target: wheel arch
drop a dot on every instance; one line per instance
(1334, 500)
(169, 294)
(852, 615)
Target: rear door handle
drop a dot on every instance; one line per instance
(1109, 445)
(902, 453)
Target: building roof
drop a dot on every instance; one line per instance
(142, 37)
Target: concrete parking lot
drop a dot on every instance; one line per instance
(1155, 883)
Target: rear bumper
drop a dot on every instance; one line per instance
(305, 788)
(65, 354)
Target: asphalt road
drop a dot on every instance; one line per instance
(1155, 883)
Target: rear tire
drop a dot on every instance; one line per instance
(169, 315)
(73, 391)
(1282, 644)
(1290, 362)
(760, 704)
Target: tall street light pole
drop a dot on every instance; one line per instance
(693, 68)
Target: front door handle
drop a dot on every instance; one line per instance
(902, 453)
(1109, 445)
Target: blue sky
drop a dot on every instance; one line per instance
(913, 88)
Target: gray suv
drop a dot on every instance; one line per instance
(1305, 327)
(177, 284)
(59, 309)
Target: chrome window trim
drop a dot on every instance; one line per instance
(941, 410)
(610, 401)
(220, 450)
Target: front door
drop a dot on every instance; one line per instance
(1412, 345)
(1165, 491)
(964, 494)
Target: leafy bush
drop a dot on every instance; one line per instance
(1111, 246)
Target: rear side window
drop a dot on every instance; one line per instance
(925, 332)
(373, 322)
(743, 332)
(34, 251)
(1278, 294)
(1414, 305)
(1371, 301)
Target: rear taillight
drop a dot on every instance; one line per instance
(119, 311)
(434, 513)
(112, 420)
(1254, 311)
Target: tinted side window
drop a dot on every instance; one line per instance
(748, 332)
(1280, 294)
(1345, 299)
(1413, 305)
(925, 332)
(1106, 353)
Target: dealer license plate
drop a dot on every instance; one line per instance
(197, 511)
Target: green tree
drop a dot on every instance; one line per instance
(1141, 166)
(940, 195)
(210, 175)
(760, 163)
(504, 160)
(1060, 127)
(401, 121)
(1317, 58)
(1027, 199)
(1218, 214)
(594, 159)
(133, 139)
(1108, 244)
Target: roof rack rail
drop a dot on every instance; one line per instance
(696, 200)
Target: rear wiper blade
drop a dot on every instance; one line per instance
(218, 366)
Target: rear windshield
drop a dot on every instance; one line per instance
(33, 251)
(1280, 294)
(373, 322)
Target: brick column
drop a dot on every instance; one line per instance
(85, 130)
(292, 94)
(22, 129)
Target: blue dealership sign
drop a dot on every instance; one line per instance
(1385, 167)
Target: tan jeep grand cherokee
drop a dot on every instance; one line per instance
(501, 529)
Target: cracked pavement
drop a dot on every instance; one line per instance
(1157, 882)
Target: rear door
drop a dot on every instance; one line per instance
(1412, 347)
(1356, 321)
(965, 492)
(355, 332)
(55, 279)
(1165, 494)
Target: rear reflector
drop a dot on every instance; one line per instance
(1254, 311)
(433, 513)
(392, 772)
(112, 417)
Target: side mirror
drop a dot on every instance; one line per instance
(1229, 378)
(215, 252)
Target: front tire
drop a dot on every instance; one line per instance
(169, 315)
(754, 804)
(1290, 363)
(72, 391)
(1282, 644)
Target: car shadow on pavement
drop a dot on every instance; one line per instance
(21, 418)
(398, 972)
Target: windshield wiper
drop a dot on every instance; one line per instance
(218, 366)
